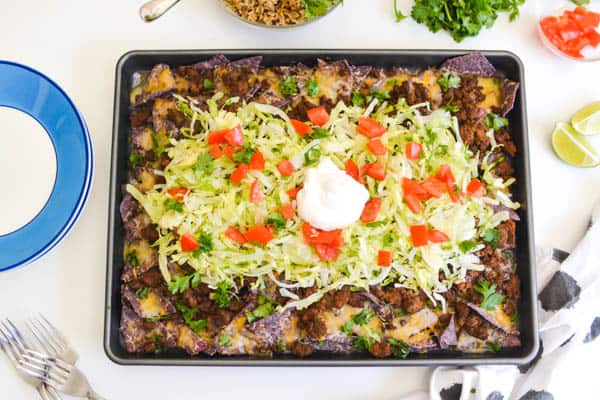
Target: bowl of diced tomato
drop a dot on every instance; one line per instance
(572, 32)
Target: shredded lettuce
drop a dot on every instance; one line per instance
(213, 203)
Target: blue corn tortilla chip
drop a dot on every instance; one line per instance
(472, 63)
(159, 82)
(448, 337)
(250, 62)
(495, 395)
(219, 59)
(561, 292)
(452, 392)
(537, 395)
(509, 94)
(594, 330)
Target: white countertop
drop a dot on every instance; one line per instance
(77, 43)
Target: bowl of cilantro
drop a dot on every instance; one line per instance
(279, 13)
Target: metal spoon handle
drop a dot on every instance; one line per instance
(155, 8)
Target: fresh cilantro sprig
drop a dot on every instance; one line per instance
(181, 283)
(495, 122)
(221, 296)
(491, 237)
(490, 298)
(188, 317)
(399, 348)
(449, 80)
(262, 310)
(288, 86)
(462, 18)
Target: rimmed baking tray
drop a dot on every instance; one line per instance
(505, 62)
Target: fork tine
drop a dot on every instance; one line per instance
(17, 334)
(9, 344)
(50, 376)
(52, 393)
(28, 371)
(53, 337)
(41, 389)
(41, 338)
(56, 334)
(50, 360)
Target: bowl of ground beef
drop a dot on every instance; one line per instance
(279, 13)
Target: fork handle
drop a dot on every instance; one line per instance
(91, 395)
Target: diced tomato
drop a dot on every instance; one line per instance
(371, 210)
(436, 236)
(412, 188)
(377, 147)
(188, 242)
(258, 234)
(352, 170)
(455, 197)
(309, 232)
(235, 235)
(293, 192)
(257, 162)
(376, 171)
(300, 127)
(327, 253)
(370, 128)
(217, 137)
(419, 235)
(318, 115)
(239, 174)
(413, 203)
(229, 151)
(215, 151)
(178, 193)
(330, 238)
(413, 150)
(434, 186)
(475, 188)
(287, 210)
(572, 31)
(384, 258)
(445, 174)
(235, 136)
(286, 168)
(256, 196)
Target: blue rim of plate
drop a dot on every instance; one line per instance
(27, 90)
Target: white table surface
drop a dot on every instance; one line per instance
(77, 43)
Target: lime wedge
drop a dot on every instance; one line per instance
(572, 147)
(587, 120)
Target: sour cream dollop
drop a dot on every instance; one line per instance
(330, 198)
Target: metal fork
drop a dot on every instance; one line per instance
(51, 340)
(56, 373)
(13, 345)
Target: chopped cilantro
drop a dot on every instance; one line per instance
(157, 147)
(491, 237)
(181, 283)
(244, 156)
(347, 328)
(208, 84)
(388, 239)
(358, 99)
(263, 310)
(490, 298)
(312, 87)
(318, 133)
(449, 80)
(142, 293)
(225, 340)
(466, 246)
(158, 347)
(380, 95)
(362, 343)
(135, 159)
(288, 86)
(205, 244)
(376, 224)
(495, 121)
(399, 348)
(131, 258)
(221, 296)
(451, 108)
(317, 8)
(312, 155)
(277, 220)
(494, 346)
(281, 345)
(188, 317)
(172, 204)
(363, 317)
